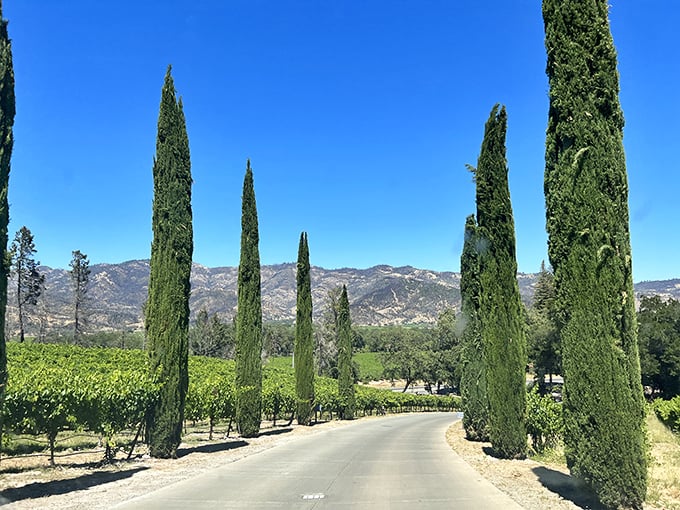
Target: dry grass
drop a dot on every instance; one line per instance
(663, 487)
(544, 481)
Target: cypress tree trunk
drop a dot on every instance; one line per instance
(345, 376)
(249, 318)
(500, 307)
(304, 339)
(473, 376)
(167, 308)
(586, 192)
(7, 111)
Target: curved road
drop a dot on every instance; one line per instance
(396, 462)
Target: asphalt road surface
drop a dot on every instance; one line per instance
(395, 462)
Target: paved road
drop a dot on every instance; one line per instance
(396, 462)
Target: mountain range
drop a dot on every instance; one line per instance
(380, 295)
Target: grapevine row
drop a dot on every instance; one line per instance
(52, 388)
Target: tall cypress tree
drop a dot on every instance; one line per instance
(249, 318)
(304, 339)
(7, 111)
(586, 193)
(499, 305)
(345, 376)
(473, 376)
(167, 308)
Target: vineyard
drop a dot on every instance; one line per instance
(107, 391)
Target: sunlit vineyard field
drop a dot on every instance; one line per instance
(56, 390)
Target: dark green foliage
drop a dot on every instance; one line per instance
(167, 309)
(659, 343)
(209, 336)
(407, 354)
(668, 411)
(278, 339)
(543, 339)
(80, 277)
(473, 373)
(544, 421)
(7, 111)
(29, 281)
(589, 247)
(345, 372)
(500, 308)
(304, 337)
(326, 355)
(249, 318)
(446, 350)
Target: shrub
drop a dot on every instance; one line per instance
(668, 411)
(544, 421)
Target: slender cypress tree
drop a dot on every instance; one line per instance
(586, 193)
(499, 305)
(7, 111)
(304, 339)
(473, 376)
(249, 318)
(167, 308)
(345, 376)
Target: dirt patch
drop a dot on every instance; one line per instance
(534, 485)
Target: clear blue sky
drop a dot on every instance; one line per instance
(358, 117)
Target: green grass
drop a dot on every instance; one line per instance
(370, 366)
(281, 362)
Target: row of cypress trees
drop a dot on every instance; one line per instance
(167, 309)
(587, 220)
(493, 381)
(249, 330)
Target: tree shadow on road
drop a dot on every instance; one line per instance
(567, 487)
(211, 448)
(275, 432)
(56, 487)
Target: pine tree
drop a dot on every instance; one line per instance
(586, 193)
(167, 308)
(7, 111)
(473, 376)
(80, 277)
(345, 373)
(543, 340)
(249, 318)
(29, 281)
(500, 308)
(304, 337)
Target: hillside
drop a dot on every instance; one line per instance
(379, 295)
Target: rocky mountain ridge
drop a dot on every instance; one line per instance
(379, 295)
